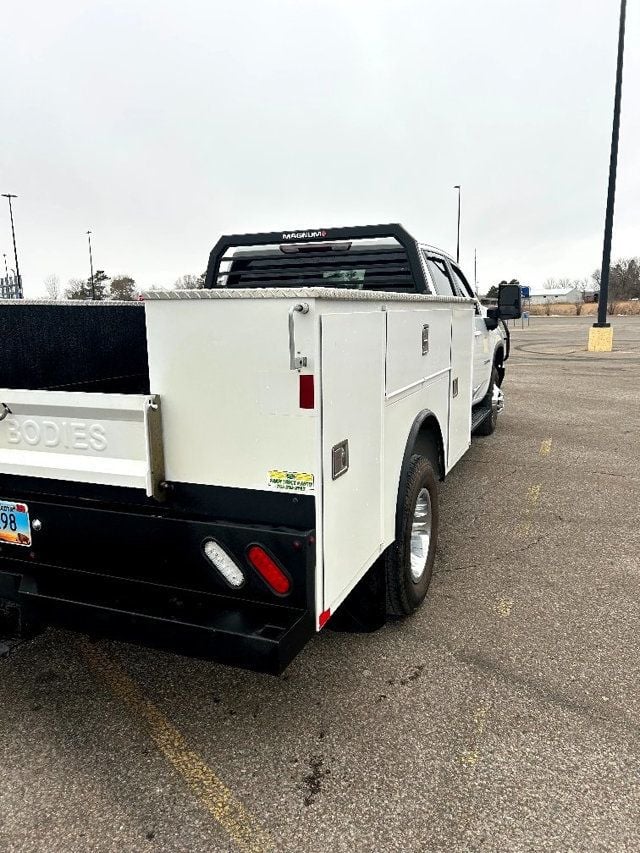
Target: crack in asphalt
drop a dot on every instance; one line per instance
(590, 711)
(526, 547)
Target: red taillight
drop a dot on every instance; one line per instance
(307, 393)
(268, 569)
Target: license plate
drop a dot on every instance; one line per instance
(15, 527)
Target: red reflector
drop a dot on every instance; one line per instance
(268, 569)
(324, 617)
(307, 394)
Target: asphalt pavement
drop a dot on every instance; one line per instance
(503, 716)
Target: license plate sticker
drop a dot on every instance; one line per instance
(15, 527)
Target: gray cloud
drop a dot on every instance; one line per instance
(161, 125)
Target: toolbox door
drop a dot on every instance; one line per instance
(352, 403)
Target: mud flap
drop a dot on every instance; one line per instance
(364, 610)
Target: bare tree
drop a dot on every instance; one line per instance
(189, 282)
(52, 286)
(87, 289)
(557, 284)
(624, 282)
(77, 288)
(581, 285)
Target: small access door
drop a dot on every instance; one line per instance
(352, 402)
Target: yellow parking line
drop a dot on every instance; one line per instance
(504, 606)
(533, 496)
(471, 756)
(209, 790)
(545, 447)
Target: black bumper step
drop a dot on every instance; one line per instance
(252, 635)
(479, 414)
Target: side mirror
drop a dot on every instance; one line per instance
(509, 301)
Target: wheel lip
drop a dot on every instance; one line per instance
(421, 535)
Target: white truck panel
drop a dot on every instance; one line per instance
(483, 349)
(352, 404)
(407, 364)
(400, 413)
(221, 362)
(459, 438)
(231, 410)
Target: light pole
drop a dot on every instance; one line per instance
(457, 187)
(93, 290)
(601, 334)
(6, 268)
(9, 196)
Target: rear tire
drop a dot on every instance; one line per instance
(409, 560)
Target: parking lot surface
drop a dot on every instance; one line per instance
(503, 716)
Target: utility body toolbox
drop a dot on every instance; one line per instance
(218, 470)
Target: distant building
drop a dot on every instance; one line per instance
(542, 296)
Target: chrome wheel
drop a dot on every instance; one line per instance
(420, 535)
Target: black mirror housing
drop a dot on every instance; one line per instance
(509, 301)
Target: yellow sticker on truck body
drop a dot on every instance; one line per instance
(290, 481)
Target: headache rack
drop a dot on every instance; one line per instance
(369, 257)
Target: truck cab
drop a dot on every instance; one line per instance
(489, 346)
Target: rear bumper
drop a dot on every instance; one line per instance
(260, 637)
(142, 577)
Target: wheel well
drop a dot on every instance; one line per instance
(426, 440)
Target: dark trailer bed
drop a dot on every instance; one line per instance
(74, 346)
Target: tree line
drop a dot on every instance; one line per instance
(104, 287)
(624, 282)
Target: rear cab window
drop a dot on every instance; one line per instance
(439, 275)
(344, 265)
(463, 287)
(461, 283)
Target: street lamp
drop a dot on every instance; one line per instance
(6, 268)
(457, 187)
(601, 333)
(9, 196)
(93, 290)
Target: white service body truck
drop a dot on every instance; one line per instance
(223, 470)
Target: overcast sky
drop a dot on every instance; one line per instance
(160, 125)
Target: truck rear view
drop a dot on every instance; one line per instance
(220, 470)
